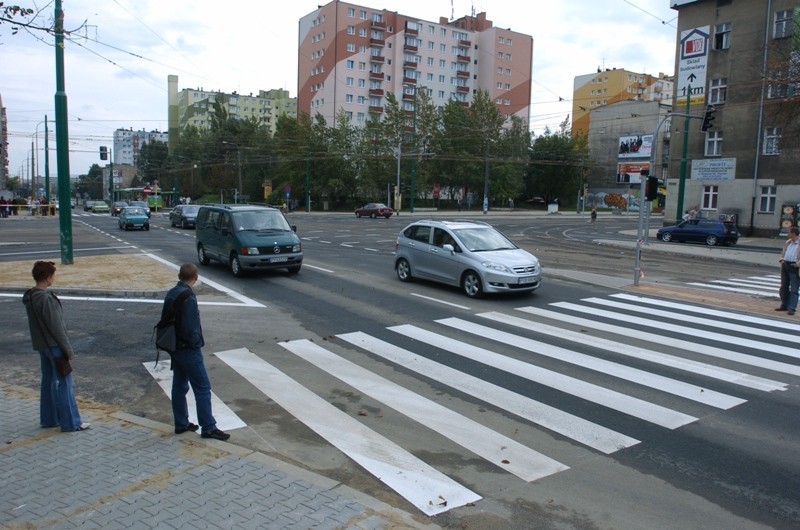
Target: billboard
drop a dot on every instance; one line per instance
(635, 146)
(630, 172)
(692, 65)
(713, 169)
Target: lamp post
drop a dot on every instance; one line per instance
(239, 164)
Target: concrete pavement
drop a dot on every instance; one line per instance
(127, 471)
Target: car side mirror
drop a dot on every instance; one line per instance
(294, 228)
(448, 247)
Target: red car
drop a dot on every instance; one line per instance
(374, 209)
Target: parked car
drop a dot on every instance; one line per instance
(184, 215)
(133, 217)
(709, 231)
(141, 204)
(100, 207)
(247, 238)
(87, 205)
(374, 209)
(117, 207)
(471, 255)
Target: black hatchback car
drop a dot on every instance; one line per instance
(709, 231)
(184, 215)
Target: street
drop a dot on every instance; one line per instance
(578, 406)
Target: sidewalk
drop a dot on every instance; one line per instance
(129, 472)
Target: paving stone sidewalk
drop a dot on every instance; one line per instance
(129, 472)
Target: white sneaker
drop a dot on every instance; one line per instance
(83, 427)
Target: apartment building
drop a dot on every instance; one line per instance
(742, 57)
(128, 142)
(350, 56)
(611, 85)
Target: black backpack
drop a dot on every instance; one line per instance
(165, 334)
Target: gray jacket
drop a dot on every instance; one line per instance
(46, 321)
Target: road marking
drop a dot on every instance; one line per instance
(672, 361)
(317, 268)
(440, 301)
(736, 290)
(670, 340)
(226, 418)
(503, 452)
(423, 486)
(558, 421)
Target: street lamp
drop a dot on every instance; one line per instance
(239, 164)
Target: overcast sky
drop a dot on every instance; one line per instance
(121, 52)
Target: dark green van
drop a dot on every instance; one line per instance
(247, 238)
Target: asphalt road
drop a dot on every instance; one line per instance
(696, 463)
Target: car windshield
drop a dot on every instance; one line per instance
(134, 211)
(483, 239)
(260, 221)
(190, 209)
(138, 203)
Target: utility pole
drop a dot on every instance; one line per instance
(62, 142)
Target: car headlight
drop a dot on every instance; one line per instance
(297, 247)
(499, 267)
(250, 251)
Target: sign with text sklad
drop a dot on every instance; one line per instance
(713, 169)
(692, 66)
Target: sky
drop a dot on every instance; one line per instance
(120, 53)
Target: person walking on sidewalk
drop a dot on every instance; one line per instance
(187, 361)
(593, 214)
(790, 275)
(57, 404)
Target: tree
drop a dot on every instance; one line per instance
(91, 184)
(557, 163)
(152, 161)
(15, 15)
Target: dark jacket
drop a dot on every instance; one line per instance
(189, 332)
(47, 324)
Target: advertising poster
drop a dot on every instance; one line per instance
(635, 146)
(630, 172)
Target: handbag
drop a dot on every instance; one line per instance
(165, 332)
(62, 365)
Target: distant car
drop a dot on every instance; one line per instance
(373, 210)
(466, 254)
(184, 215)
(141, 204)
(117, 207)
(133, 217)
(709, 231)
(87, 205)
(100, 207)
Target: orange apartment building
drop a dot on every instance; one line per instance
(351, 56)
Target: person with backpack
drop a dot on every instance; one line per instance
(187, 360)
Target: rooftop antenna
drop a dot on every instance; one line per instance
(452, 11)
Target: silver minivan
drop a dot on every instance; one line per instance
(467, 254)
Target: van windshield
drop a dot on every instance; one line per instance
(260, 221)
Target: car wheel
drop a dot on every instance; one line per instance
(171, 222)
(126, 228)
(403, 269)
(183, 224)
(372, 215)
(119, 225)
(147, 227)
(201, 255)
(236, 266)
(666, 237)
(471, 284)
(711, 240)
(293, 270)
(358, 215)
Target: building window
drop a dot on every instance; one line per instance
(362, 83)
(714, 143)
(350, 64)
(351, 47)
(767, 199)
(722, 36)
(348, 98)
(351, 12)
(783, 24)
(351, 30)
(772, 139)
(710, 194)
(362, 32)
(718, 89)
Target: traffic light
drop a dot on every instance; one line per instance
(103, 152)
(651, 189)
(708, 118)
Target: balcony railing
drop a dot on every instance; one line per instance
(462, 73)
(377, 59)
(409, 81)
(410, 48)
(410, 64)
(462, 58)
(375, 91)
(376, 75)
(464, 44)
(462, 89)
(377, 42)
(377, 24)
(376, 109)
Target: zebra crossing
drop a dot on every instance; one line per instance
(766, 286)
(602, 352)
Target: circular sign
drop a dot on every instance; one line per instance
(147, 189)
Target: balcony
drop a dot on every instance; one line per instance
(375, 109)
(376, 92)
(462, 89)
(377, 24)
(464, 44)
(377, 59)
(412, 31)
(377, 76)
(410, 64)
(464, 104)
(409, 81)
(462, 73)
(410, 48)
(462, 58)
(377, 42)
(408, 97)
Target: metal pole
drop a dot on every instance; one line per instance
(682, 180)
(47, 162)
(416, 153)
(62, 141)
(239, 160)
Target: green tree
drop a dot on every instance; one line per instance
(558, 162)
(91, 184)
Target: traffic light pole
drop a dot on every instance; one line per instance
(62, 142)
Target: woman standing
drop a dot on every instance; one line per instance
(49, 337)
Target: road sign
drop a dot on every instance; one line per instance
(692, 66)
(147, 190)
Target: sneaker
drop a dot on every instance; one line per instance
(83, 427)
(791, 312)
(216, 434)
(780, 308)
(190, 427)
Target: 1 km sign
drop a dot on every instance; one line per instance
(692, 66)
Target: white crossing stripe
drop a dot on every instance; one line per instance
(712, 323)
(685, 330)
(671, 340)
(226, 418)
(690, 308)
(735, 289)
(612, 399)
(688, 365)
(569, 425)
(500, 450)
(423, 486)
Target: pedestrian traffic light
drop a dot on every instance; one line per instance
(708, 118)
(651, 189)
(103, 152)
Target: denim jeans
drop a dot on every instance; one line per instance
(790, 282)
(57, 405)
(188, 368)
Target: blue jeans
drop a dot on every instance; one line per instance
(790, 282)
(188, 367)
(57, 405)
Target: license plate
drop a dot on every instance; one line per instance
(526, 279)
(278, 260)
